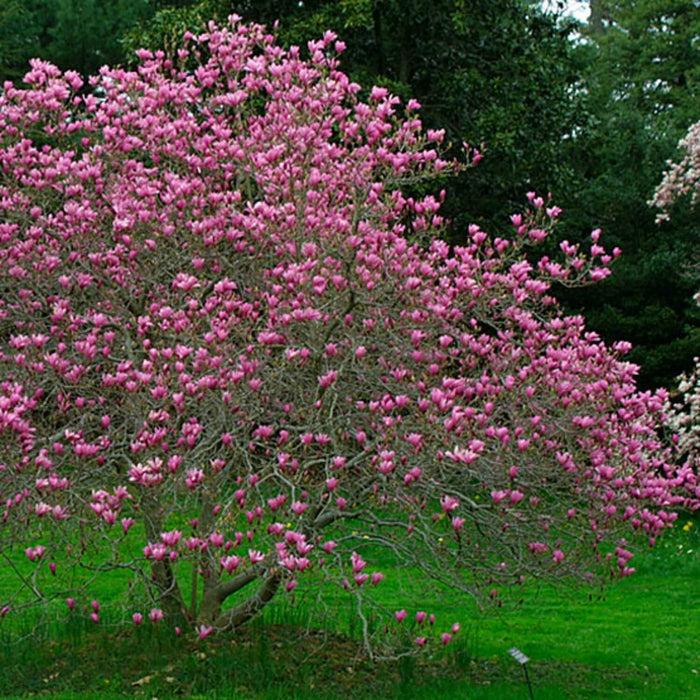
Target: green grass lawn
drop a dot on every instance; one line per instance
(640, 640)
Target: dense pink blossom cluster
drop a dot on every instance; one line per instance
(234, 347)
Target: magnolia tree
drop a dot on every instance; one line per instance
(682, 179)
(236, 358)
(684, 416)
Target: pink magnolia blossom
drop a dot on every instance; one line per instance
(255, 556)
(358, 563)
(34, 553)
(203, 631)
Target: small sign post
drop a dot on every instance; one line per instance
(522, 660)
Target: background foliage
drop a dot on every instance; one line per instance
(641, 95)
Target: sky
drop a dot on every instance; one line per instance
(577, 8)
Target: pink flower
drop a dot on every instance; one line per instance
(298, 508)
(171, 538)
(194, 478)
(327, 379)
(255, 556)
(414, 439)
(458, 523)
(34, 553)
(449, 503)
(230, 563)
(358, 563)
(203, 631)
(401, 615)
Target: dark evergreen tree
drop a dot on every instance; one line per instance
(641, 88)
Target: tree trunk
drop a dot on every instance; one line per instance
(599, 18)
(378, 38)
(235, 617)
(165, 583)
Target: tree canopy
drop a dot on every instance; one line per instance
(592, 120)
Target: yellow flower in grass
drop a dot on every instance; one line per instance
(687, 526)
